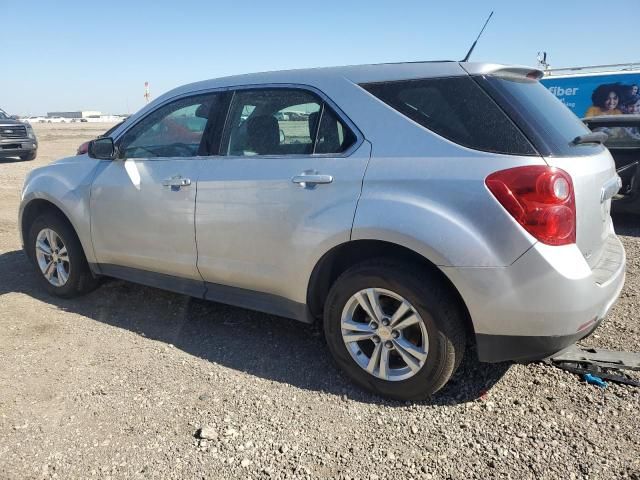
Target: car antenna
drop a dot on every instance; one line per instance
(466, 58)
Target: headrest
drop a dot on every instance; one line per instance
(263, 134)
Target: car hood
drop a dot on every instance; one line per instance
(10, 121)
(72, 159)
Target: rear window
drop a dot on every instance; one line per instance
(455, 108)
(549, 124)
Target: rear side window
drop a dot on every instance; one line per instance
(457, 109)
(282, 122)
(333, 135)
(546, 121)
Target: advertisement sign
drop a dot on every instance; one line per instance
(597, 93)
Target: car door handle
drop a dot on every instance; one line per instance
(305, 179)
(177, 181)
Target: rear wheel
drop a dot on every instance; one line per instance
(397, 331)
(58, 257)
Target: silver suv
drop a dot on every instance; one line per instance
(413, 208)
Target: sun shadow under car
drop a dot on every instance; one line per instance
(263, 345)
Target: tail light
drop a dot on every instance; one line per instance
(540, 198)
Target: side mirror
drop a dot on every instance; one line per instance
(102, 149)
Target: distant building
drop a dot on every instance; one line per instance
(83, 114)
(104, 118)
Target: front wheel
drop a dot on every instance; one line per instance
(28, 156)
(396, 330)
(58, 257)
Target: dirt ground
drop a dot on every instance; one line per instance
(117, 384)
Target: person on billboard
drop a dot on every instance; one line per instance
(605, 100)
(631, 104)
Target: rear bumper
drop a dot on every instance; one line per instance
(546, 300)
(500, 348)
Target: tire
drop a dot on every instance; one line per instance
(438, 310)
(79, 279)
(29, 156)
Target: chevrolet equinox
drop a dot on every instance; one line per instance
(413, 208)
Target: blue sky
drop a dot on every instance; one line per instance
(72, 55)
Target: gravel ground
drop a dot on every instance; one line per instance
(124, 382)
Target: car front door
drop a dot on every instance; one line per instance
(143, 203)
(283, 191)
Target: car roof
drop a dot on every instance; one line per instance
(370, 73)
(332, 79)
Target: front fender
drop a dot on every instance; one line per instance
(67, 186)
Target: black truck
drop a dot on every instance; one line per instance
(623, 141)
(17, 139)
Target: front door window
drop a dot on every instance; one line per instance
(174, 130)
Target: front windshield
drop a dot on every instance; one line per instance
(3, 115)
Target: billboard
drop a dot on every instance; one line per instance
(595, 94)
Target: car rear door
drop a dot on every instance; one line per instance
(143, 204)
(283, 192)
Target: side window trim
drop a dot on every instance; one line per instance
(324, 100)
(215, 134)
(223, 144)
(117, 139)
(315, 134)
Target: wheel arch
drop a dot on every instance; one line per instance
(341, 257)
(32, 210)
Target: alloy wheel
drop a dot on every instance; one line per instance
(52, 257)
(385, 334)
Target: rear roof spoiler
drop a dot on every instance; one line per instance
(514, 71)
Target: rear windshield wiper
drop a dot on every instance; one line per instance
(592, 137)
